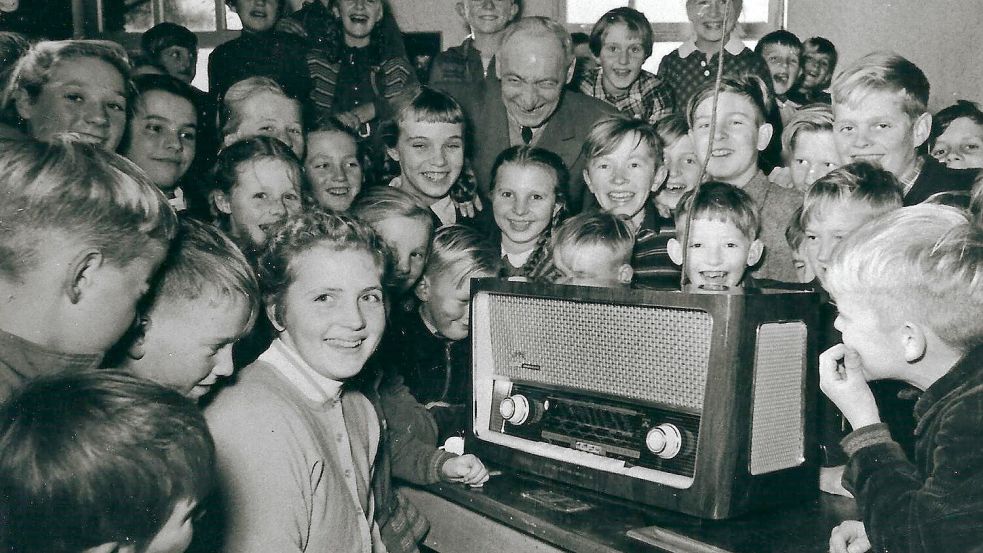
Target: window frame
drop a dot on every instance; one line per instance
(93, 25)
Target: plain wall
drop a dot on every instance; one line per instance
(941, 36)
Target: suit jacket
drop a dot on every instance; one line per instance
(563, 135)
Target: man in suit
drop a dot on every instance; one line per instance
(528, 103)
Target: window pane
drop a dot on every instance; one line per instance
(197, 15)
(666, 11)
(138, 17)
(232, 22)
(589, 11)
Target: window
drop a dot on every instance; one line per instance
(669, 22)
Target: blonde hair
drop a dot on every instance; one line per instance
(596, 229)
(860, 183)
(922, 263)
(460, 252)
(883, 72)
(230, 116)
(87, 194)
(811, 118)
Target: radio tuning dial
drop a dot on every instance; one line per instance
(664, 440)
(515, 409)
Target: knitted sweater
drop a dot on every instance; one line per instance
(776, 205)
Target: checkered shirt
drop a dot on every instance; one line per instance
(648, 97)
(686, 75)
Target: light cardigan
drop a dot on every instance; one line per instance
(294, 460)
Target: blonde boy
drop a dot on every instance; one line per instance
(809, 146)
(83, 232)
(593, 249)
(723, 236)
(731, 155)
(206, 299)
(880, 107)
(909, 294)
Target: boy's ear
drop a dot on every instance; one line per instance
(139, 334)
(24, 104)
(754, 252)
(921, 129)
(461, 10)
(625, 272)
(675, 250)
(82, 273)
(422, 289)
(661, 174)
(271, 315)
(393, 153)
(764, 136)
(914, 341)
(221, 202)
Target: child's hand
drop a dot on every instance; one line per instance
(782, 176)
(470, 208)
(831, 481)
(841, 378)
(466, 469)
(849, 537)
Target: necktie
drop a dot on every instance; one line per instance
(526, 133)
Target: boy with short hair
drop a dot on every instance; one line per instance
(782, 52)
(741, 132)
(818, 64)
(206, 298)
(623, 165)
(795, 235)
(621, 41)
(593, 249)
(430, 343)
(723, 236)
(931, 256)
(880, 107)
(83, 232)
(809, 145)
(100, 461)
(472, 60)
(174, 47)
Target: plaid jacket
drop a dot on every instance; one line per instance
(648, 97)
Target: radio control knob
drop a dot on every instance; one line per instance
(664, 440)
(515, 409)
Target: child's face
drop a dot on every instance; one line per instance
(591, 265)
(358, 18)
(430, 157)
(175, 536)
(268, 114)
(622, 179)
(708, 21)
(827, 228)
(258, 15)
(813, 156)
(489, 16)
(333, 169)
(803, 269)
(409, 239)
(334, 310)
(739, 136)
(870, 335)
(446, 303)
(621, 59)
(179, 62)
(523, 202)
(684, 171)
(84, 95)
(266, 192)
(719, 253)
(816, 68)
(163, 135)
(875, 128)
(783, 64)
(961, 145)
(188, 344)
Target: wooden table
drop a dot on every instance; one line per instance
(510, 515)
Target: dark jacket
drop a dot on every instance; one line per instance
(279, 56)
(936, 177)
(936, 502)
(459, 64)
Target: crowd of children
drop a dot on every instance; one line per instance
(256, 300)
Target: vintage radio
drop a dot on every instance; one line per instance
(698, 403)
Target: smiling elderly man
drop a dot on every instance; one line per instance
(528, 104)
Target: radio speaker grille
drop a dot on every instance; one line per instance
(777, 439)
(653, 354)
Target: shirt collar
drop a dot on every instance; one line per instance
(288, 362)
(518, 259)
(734, 46)
(178, 202)
(443, 208)
(911, 174)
